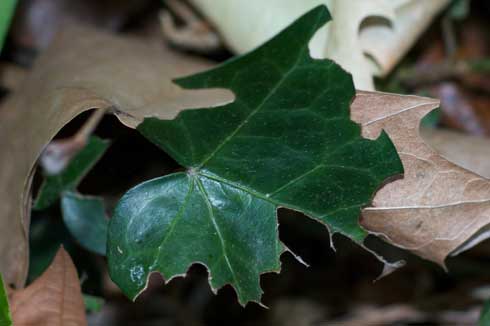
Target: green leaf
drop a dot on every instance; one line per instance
(7, 8)
(5, 318)
(169, 223)
(46, 235)
(71, 176)
(432, 119)
(459, 9)
(485, 314)
(86, 220)
(286, 141)
(93, 304)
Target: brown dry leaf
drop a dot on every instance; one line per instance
(469, 152)
(82, 70)
(54, 299)
(438, 207)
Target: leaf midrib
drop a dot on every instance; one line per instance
(218, 232)
(255, 111)
(177, 218)
(211, 176)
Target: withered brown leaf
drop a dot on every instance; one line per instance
(438, 207)
(469, 152)
(54, 299)
(84, 69)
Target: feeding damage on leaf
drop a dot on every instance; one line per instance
(174, 221)
(286, 141)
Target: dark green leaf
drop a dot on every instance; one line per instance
(287, 140)
(5, 319)
(432, 119)
(92, 303)
(71, 176)
(86, 220)
(169, 223)
(459, 9)
(485, 315)
(7, 8)
(46, 235)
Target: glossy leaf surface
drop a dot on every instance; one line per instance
(167, 224)
(71, 176)
(86, 220)
(287, 140)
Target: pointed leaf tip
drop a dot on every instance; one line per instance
(294, 38)
(55, 298)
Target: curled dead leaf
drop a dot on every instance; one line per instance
(383, 29)
(438, 206)
(84, 69)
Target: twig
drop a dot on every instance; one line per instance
(59, 153)
(195, 35)
(89, 126)
(449, 37)
(182, 11)
(432, 73)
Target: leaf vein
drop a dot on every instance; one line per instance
(218, 232)
(253, 112)
(177, 218)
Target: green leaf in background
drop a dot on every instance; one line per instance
(7, 8)
(485, 314)
(70, 177)
(46, 235)
(286, 141)
(5, 319)
(93, 304)
(459, 9)
(86, 220)
(432, 119)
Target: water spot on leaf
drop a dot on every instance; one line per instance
(137, 274)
